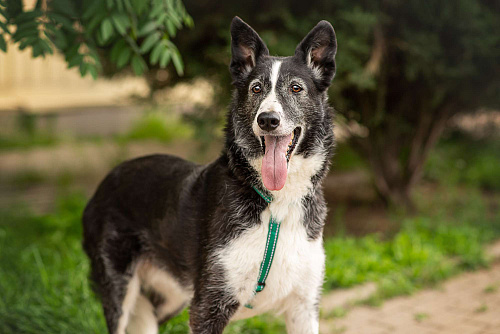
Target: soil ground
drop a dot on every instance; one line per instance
(467, 304)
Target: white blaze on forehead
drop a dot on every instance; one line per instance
(275, 71)
(271, 103)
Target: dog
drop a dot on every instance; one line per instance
(163, 233)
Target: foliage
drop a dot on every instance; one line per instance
(460, 159)
(21, 140)
(44, 285)
(346, 159)
(124, 32)
(402, 68)
(159, 126)
(28, 132)
(426, 63)
(154, 123)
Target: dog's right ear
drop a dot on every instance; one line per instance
(246, 49)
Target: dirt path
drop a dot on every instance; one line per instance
(467, 304)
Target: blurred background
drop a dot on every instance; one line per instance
(414, 188)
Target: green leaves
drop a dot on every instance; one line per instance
(121, 23)
(176, 58)
(148, 28)
(123, 58)
(163, 52)
(133, 33)
(3, 27)
(138, 64)
(106, 29)
(3, 44)
(149, 42)
(165, 58)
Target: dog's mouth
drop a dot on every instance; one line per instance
(291, 145)
(277, 153)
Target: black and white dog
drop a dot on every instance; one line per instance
(163, 233)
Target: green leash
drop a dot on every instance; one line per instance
(272, 240)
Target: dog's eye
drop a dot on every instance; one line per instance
(256, 89)
(296, 88)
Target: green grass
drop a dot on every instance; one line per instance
(23, 140)
(29, 134)
(419, 252)
(491, 288)
(482, 308)
(27, 177)
(420, 317)
(153, 124)
(160, 126)
(43, 277)
(447, 239)
(43, 273)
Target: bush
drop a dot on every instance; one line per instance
(159, 126)
(467, 161)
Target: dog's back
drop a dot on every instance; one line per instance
(133, 196)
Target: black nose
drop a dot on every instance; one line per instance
(268, 121)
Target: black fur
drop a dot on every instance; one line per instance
(321, 45)
(176, 214)
(247, 48)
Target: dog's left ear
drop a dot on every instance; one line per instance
(318, 51)
(246, 49)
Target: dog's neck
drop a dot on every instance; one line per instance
(301, 172)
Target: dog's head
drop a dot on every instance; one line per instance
(280, 102)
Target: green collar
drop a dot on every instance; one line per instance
(272, 240)
(266, 198)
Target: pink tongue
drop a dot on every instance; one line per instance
(274, 168)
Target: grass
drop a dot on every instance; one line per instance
(160, 126)
(420, 317)
(482, 308)
(426, 250)
(29, 134)
(491, 288)
(154, 124)
(24, 140)
(337, 312)
(27, 177)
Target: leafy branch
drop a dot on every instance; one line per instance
(137, 33)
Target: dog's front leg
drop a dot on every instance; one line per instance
(302, 316)
(211, 309)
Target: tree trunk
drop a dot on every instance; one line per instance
(404, 122)
(394, 177)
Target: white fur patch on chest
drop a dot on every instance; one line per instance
(298, 262)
